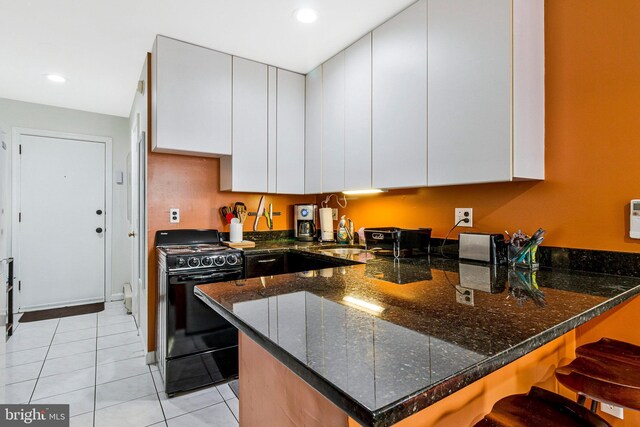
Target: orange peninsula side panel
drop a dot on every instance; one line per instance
(271, 394)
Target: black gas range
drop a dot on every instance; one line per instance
(194, 345)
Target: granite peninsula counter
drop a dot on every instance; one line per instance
(386, 339)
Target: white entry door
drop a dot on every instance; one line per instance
(62, 222)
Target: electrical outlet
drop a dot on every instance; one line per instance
(464, 296)
(334, 214)
(616, 411)
(462, 213)
(174, 216)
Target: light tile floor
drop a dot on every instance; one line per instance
(95, 363)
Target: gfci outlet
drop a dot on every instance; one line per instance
(462, 213)
(334, 214)
(174, 216)
(616, 411)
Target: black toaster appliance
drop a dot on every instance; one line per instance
(398, 242)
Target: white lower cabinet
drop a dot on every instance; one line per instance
(246, 169)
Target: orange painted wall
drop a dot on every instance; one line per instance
(192, 185)
(592, 143)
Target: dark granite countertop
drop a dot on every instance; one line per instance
(386, 339)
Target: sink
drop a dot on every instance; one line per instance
(354, 254)
(343, 251)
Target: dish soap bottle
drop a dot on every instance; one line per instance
(343, 235)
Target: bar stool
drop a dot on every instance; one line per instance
(540, 408)
(605, 371)
(608, 348)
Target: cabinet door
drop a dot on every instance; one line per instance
(290, 133)
(272, 137)
(192, 95)
(333, 124)
(469, 91)
(264, 265)
(400, 100)
(313, 141)
(357, 115)
(246, 169)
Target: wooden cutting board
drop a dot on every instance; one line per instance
(243, 244)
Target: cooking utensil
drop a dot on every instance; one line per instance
(259, 213)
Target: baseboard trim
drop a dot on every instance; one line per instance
(61, 305)
(117, 297)
(150, 357)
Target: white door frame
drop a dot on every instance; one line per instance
(16, 199)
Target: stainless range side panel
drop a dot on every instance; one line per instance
(161, 320)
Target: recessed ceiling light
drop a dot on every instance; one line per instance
(56, 78)
(306, 15)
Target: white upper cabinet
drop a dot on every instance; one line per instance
(246, 169)
(333, 96)
(272, 137)
(290, 133)
(313, 129)
(399, 150)
(357, 115)
(191, 95)
(486, 91)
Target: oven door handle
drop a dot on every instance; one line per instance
(207, 276)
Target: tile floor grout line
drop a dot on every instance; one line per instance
(126, 401)
(155, 387)
(199, 409)
(43, 362)
(110, 335)
(232, 413)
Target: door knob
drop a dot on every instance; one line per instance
(132, 234)
(99, 212)
(99, 230)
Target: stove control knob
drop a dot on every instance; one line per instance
(180, 262)
(232, 259)
(219, 261)
(194, 262)
(206, 261)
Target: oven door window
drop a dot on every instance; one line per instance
(192, 326)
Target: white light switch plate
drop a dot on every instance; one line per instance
(616, 411)
(174, 216)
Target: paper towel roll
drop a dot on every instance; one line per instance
(326, 224)
(235, 232)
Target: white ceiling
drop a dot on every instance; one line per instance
(99, 45)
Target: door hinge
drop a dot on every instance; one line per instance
(19, 285)
(19, 216)
(20, 149)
